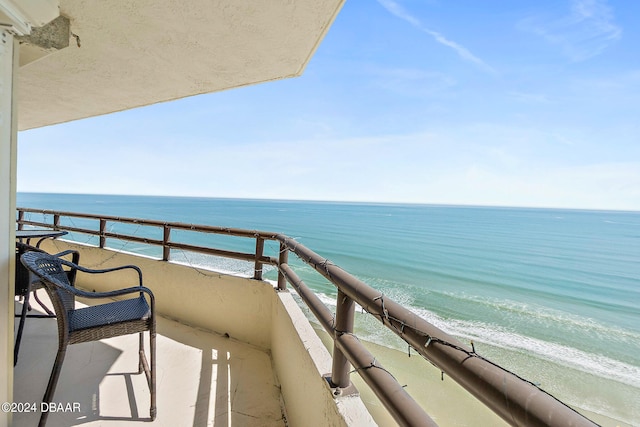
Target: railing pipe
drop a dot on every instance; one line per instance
(517, 401)
(166, 236)
(317, 307)
(166, 245)
(221, 252)
(103, 227)
(62, 227)
(257, 270)
(283, 259)
(345, 308)
(404, 410)
(149, 222)
(393, 396)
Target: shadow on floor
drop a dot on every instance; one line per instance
(203, 379)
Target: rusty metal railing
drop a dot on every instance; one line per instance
(517, 401)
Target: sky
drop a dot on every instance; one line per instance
(528, 103)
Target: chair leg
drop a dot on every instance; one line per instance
(149, 369)
(141, 354)
(53, 381)
(23, 316)
(152, 348)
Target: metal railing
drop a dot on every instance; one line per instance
(517, 401)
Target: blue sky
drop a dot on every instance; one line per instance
(527, 103)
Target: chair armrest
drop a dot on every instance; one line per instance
(118, 292)
(106, 270)
(110, 294)
(74, 259)
(71, 274)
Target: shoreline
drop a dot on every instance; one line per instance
(444, 400)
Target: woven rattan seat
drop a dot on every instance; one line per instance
(111, 319)
(28, 284)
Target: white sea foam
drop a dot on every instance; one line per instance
(534, 313)
(329, 301)
(567, 356)
(501, 337)
(560, 354)
(217, 264)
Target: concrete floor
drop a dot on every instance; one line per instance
(203, 379)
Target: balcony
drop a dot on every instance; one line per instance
(250, 356)
(204, 378)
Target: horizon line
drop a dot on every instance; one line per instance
(362, 202)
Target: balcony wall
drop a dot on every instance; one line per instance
(248, 310)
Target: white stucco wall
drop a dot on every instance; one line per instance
(8, 59)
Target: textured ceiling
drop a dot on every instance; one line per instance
(135, 53)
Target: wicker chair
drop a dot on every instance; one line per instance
(93, 323)
(26, 285)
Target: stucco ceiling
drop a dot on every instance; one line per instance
(135, 53)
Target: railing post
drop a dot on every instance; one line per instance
(166, 250)
(259, 251)
(103, 238)
(56, 221)
(20, 219)
(345, 312)
(283, 259)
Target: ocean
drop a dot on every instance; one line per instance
(551, 294)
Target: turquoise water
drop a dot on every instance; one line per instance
(552, 294)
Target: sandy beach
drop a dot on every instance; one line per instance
(444, 400)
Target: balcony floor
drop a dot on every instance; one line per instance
(203, 379)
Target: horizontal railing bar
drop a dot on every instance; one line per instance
(36, 223)
(517, 401)
(62, 227)
(132, 238)
(221, 252)
(61, 213)
(78, 230)
(238, 232)
(155, 223)
(403, 408)
(173, 225)
(315, 304)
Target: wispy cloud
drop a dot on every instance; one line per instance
(585, 32)
(396, 9)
